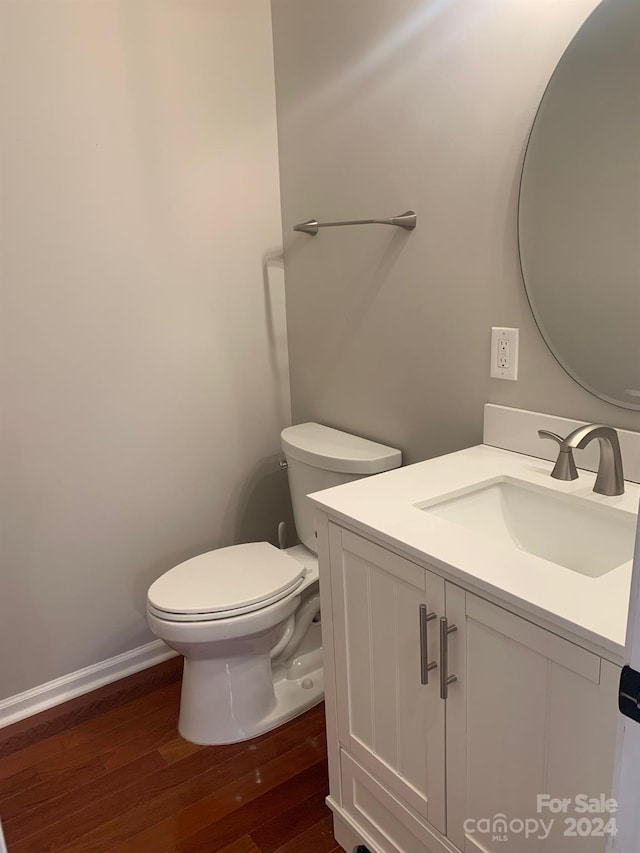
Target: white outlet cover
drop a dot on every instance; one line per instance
(504, 352)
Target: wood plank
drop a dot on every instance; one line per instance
(115, 695)
(124, 780)
(256, 811)
(177, 749)
(37, 830)
(247, 763)
(164, 698)
(242, 845)
(36, 795)
(117, 722)
(155, 737)
(168, 789)
(292, 822)
(220, 802)
(61, 775)
(19, 782)
(142, 804)
(318, 838)
(114, 747)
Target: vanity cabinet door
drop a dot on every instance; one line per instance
(530, 713)
(388, 720)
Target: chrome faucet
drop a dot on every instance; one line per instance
(610, 479)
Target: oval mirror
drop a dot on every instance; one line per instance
(579, 213)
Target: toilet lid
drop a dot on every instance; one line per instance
(227, 579)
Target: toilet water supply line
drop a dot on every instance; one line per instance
(299, 622)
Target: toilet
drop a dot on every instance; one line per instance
(247, 618)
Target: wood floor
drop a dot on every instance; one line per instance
(96, 777)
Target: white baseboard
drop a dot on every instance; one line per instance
(85, 680)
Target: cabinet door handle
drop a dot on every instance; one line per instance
(425, 665)
(445, 678)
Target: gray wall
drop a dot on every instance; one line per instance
(389, 104)
(143, 348)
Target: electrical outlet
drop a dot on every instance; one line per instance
(504, 353)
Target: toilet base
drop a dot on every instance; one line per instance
(283, 699)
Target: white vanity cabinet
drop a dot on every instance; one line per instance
(529, 712)
(388, 720)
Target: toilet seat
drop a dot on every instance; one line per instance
(224, 583)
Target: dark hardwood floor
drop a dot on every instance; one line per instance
(109, 772)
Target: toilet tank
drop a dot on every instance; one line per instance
(319, 457)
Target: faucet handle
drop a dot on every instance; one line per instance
(565, 467)
(545, 433)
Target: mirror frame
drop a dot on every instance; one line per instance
(569, 370)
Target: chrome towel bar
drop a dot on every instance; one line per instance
(406, 220)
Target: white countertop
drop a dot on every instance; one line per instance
(384, 505)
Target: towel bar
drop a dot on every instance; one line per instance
(406, 220)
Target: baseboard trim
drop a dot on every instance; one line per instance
(60, 690)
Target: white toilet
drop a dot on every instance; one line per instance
(246, 618)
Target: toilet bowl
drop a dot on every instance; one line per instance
(230, 639)
(246, 617)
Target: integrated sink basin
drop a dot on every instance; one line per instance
(583, 535)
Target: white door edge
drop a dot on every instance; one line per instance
(626, 771)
